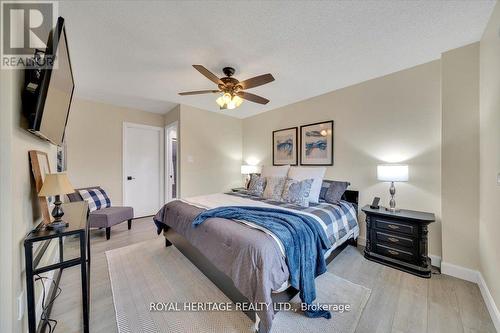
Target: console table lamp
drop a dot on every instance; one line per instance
(392, 173)
(248, 170)
(56, 184)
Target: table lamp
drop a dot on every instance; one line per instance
(56, 184)
(248, 170)
(392, 173)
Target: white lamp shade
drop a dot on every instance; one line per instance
(392, 173)
(56, 184)
(248, 169)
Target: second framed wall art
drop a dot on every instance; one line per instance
(316, 143)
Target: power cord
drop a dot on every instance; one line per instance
(44, 316)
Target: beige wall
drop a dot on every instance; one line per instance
(489, 211)
(460, 156)
(395, 118)
(94, 143)
(210, 151)
(173, 115)
(20, 210)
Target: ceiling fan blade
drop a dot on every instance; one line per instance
(252, 97)
(208, 74)
(198, 92)
(256, 81)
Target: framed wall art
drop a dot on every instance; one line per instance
(40, 167)
(285, 146)
(316, 143)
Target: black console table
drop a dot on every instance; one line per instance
(398, 239)
(76, 215)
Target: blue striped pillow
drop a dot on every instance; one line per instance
(96, 198)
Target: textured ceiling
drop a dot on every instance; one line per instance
(139, 53)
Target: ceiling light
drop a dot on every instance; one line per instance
(227, 101)
(231, 105)
(220, 101)
(227, 98)
(237, 100)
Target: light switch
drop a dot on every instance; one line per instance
(498, 178)
(190, 159)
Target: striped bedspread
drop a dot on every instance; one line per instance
(337, 220)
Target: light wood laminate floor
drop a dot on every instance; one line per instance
(399, 302)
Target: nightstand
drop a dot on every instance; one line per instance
(399, 239)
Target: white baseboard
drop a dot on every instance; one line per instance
(490, 302)
(460, 272)
(475, 277)
(468, 275)
(435, 260)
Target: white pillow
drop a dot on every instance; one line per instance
(274, 171)
(315, 173)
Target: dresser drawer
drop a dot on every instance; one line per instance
(395, 226)
(395, 240)
(392, 252)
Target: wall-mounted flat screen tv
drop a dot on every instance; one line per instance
(49, 89)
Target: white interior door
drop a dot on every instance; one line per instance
(143, 168)
(171, 162)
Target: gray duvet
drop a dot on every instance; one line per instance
(250, 257)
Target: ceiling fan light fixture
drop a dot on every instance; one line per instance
(237, 100)
(220, 101)
(227, 98)
(227, 101)
(232, 90)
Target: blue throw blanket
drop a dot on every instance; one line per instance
(303, 238)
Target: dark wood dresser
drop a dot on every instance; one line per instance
(398, 239)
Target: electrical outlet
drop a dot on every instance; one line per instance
(20, 306)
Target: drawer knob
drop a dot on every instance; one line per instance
(394, 240)
(393, 252)
(392, 226)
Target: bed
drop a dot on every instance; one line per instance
(243, 260)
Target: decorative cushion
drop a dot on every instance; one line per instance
(315, 173)
(256, 185)
(297, 192)
(326, 185)
(252, 176)
(96, 198)
(335, 192)
(274, 188)
(275, 171)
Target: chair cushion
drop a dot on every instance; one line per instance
(96, 199)
(75, 196)
(107, 217)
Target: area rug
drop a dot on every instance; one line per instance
(151, 285)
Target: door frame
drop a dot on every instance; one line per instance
(161, 153)
(175, 125)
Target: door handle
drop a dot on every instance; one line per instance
(130, 177)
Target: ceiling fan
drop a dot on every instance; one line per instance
(231, 90)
